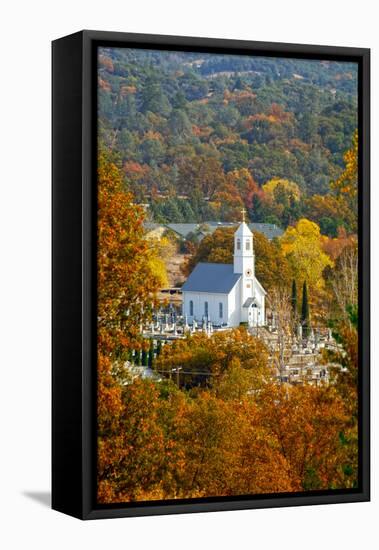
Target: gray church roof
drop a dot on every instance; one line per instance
(248, 302)
(213, 278)
(270, 230)
(183, 229)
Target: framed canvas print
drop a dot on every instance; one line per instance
(210, 275)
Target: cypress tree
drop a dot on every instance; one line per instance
(305, 311)
(138, 362)
(144, 358)
(159, 347)
(294, 298)
(150, 360)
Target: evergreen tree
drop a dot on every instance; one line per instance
(186, 210)
(153, 99)
(294, 298)
(151, 354)
(171, 211)
(159, 347)
(305, 311)
(144, 358)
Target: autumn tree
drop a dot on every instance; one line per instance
(346, 186)
(226, 452)
(228, 202)
(124, 302)
(307, 422)
(279, 301)
(160, 250)
(201, 173)
(343, 365)
(214, 248)
(344, 283)
(302, 245)
(328, 212)
(279, 190)
(281, 198)
(272, 268)
(204, 358)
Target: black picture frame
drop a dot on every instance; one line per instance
(74, 132)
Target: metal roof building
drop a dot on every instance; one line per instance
(270, 230)
(215, 278)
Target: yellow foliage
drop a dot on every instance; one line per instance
(303, 246)
(158, 267)
(346, 186)
(288, 187)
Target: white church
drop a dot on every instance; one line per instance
(227, 294)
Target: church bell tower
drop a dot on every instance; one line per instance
(243, 250)
(244, 263)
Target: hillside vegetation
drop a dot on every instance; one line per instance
(200, 136)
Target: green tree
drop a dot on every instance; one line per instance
(151, 354)
(154, 99)
(159, 347)
(294, 298)
(305, 311)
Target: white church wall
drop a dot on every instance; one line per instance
(233, 312)
(234, 301)
(214, 300)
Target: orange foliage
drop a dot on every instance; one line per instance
(334, 246)
(126, 90)
(123, 304)
(106, 62)
(104, 85)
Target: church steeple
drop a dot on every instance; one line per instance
(243, 249)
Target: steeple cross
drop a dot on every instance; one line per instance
(243, 212)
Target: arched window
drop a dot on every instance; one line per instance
(220, 310)
(238, 244)
(206, 309)
(191, 307)
(248, 244)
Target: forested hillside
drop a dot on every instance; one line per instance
(200, 136)
(229, 410)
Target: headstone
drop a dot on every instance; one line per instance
(317, 339)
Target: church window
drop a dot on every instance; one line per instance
(191, 307)
(206, 309)
(248, 244)
(220, 310)
(238, 244)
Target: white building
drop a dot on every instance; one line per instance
(227, 294)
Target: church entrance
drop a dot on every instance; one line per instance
(254, 316)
